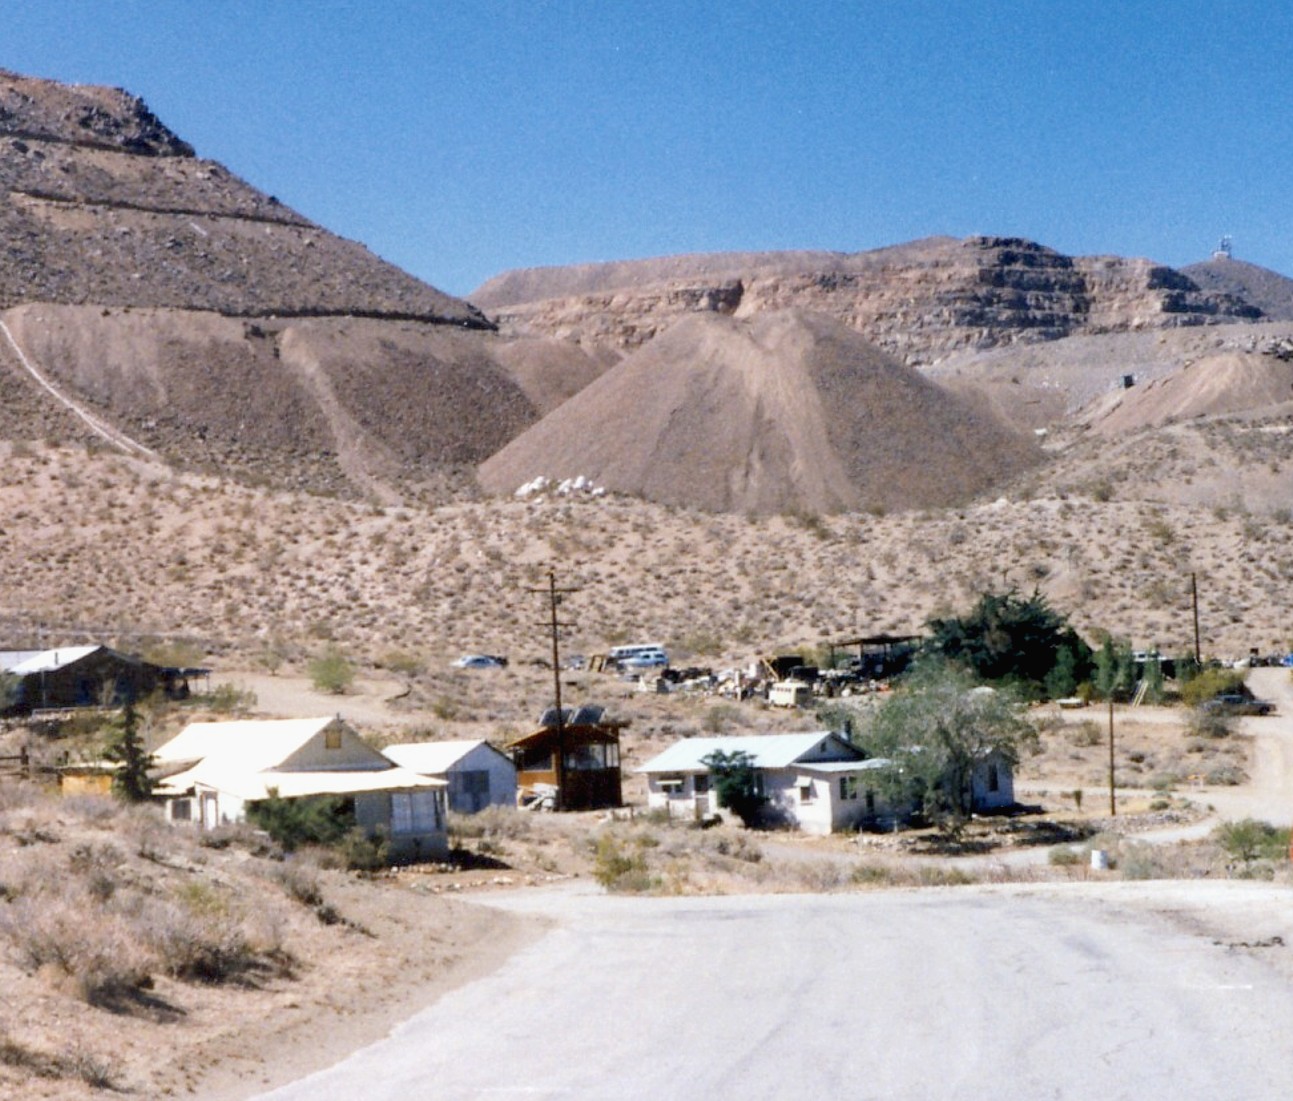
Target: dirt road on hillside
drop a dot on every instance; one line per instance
(1268, 795)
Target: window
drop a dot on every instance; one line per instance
(700, 784)
(671, 785)
(534, 759)
(848, 787)
(414, 812)
(806, 792)
(181, 810)
(332, 738)
(470, 781)
(994, 781)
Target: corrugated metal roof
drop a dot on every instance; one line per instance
(244, 759)
(434, 758)
(254, 743)
(767, 750)
(22, 663)
(226, 778)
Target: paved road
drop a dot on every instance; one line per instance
(971, 992)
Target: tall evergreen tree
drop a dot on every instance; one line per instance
(131, 781)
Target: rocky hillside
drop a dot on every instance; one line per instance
(921, 300)
(784, 412)
(153, 302)
(1269, 291)
(102, 204)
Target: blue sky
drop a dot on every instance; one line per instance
(459, 140)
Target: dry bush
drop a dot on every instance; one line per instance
(494, 823)
(200, 936)
(64, 929)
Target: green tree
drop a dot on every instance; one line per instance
(332, 671)
(318, 820)
(10, 689)
(736, 783)
(1062, 681)
(936, 730)
(131, 781)
(1115, 672)
(1009, 639)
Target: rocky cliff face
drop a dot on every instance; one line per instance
(920, 301)
(101, 204)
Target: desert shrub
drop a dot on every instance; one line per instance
(1208, 723)
(1249, 839)
(1086, 733)
(821, 875)
(739, 846)
(1207, 684)
(364, 852)
(198, 936)
(495, 822)
(230, 699)
(1225, 776)
(332, 671)
(871, 875)
(618, 869)
(1139, 860)
(300, 882)
(65, 929)
(939, 875)
(1063, 856)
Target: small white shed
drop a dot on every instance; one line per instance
(478, 775)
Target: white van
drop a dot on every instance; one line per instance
(646, 655)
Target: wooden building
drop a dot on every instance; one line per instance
(78, 676)
(574, 757)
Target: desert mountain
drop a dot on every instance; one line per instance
(920, 301)
(784, 411)
(153, 301)
(1269, 291)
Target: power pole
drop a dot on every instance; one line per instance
(1113, 803)
(1194, 598)
(554, 625)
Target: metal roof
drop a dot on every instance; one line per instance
(435, 758)
(767, 750)
(23, 663)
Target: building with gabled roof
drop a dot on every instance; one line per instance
(212, 771)
(817, 782)
(478, 775)
(78, 676)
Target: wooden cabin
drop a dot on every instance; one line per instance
(574, 758)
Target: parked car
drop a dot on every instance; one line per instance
(480, 661)
(1233, 703)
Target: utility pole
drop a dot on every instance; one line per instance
(554, 599)
(1113, 804)
(1194, 598)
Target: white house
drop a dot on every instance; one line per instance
(478, 775)
(817, 782)
(216, 768)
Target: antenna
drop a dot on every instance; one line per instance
(1223, 251)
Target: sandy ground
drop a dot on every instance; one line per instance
(277, 1046)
